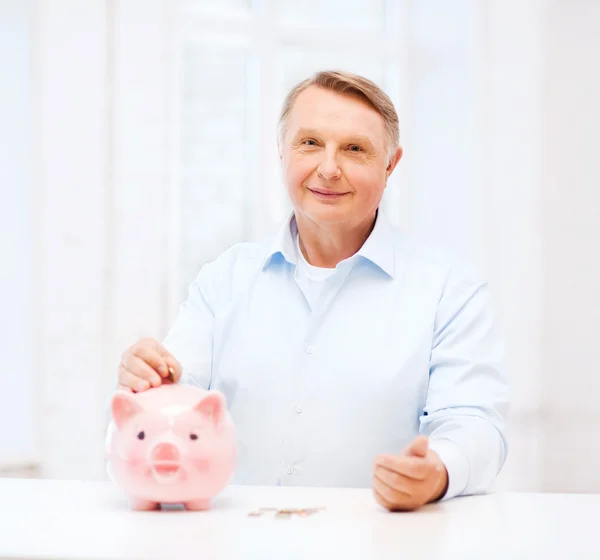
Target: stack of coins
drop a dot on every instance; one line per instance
(285, 513)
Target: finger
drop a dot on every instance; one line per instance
(121, 387)
(138, 367)
(411, 467)
(394, 499)
(394, 481)
(174, 368)
(382, 501)
(131, 381)
(417, 447)
(149, 352)
(173, 365)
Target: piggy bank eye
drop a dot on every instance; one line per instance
(141, 435)
(193, 436)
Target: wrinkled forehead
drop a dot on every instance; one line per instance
(342, 113)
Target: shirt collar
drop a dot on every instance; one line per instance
(282, 245)
(378, 248)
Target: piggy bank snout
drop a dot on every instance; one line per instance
(165, 451)
(165, 461)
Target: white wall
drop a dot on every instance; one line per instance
(543, 215)
(140, 212)
(571, 246)
(512, 79)
(73, 194)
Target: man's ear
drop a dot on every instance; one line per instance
(396, 157)
(124, 406)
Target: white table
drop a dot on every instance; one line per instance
(54, 519)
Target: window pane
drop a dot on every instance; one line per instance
(218, 4)
(339, 14)
(298, 64)
(441, 25)
(445, 127)
(212, 143)
(18, 426)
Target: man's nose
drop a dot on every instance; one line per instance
(328, 167)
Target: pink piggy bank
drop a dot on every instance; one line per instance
(170, 444)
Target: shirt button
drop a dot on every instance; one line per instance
(310, 349)
(289, 470)
(298, 409)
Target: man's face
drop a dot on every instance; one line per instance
(334, 157)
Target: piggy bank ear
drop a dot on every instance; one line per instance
(212, 407)
(123, 406)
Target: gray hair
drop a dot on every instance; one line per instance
(346, 83)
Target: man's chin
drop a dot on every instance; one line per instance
(327, 214)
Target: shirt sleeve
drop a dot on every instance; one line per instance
(190, 338)
(467, 398)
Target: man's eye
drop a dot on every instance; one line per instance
(355, 148)
(310, 143)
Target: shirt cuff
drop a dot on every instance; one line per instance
(456, 464)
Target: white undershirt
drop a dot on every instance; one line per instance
(311, 278)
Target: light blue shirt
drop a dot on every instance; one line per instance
(400, 340)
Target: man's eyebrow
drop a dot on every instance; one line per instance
(360, 139)
(306, 132)
(352, 138)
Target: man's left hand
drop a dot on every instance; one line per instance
(410, 480)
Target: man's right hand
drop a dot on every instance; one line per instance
(147, 364)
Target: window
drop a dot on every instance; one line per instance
(236, 60)
(17, 283)
(199, 85)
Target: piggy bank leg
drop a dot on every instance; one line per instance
(138, 504)
(198, 505)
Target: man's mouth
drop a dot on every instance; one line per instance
(326, 193)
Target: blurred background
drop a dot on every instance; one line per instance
(137, 142)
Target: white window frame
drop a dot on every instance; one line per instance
(259, 30)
